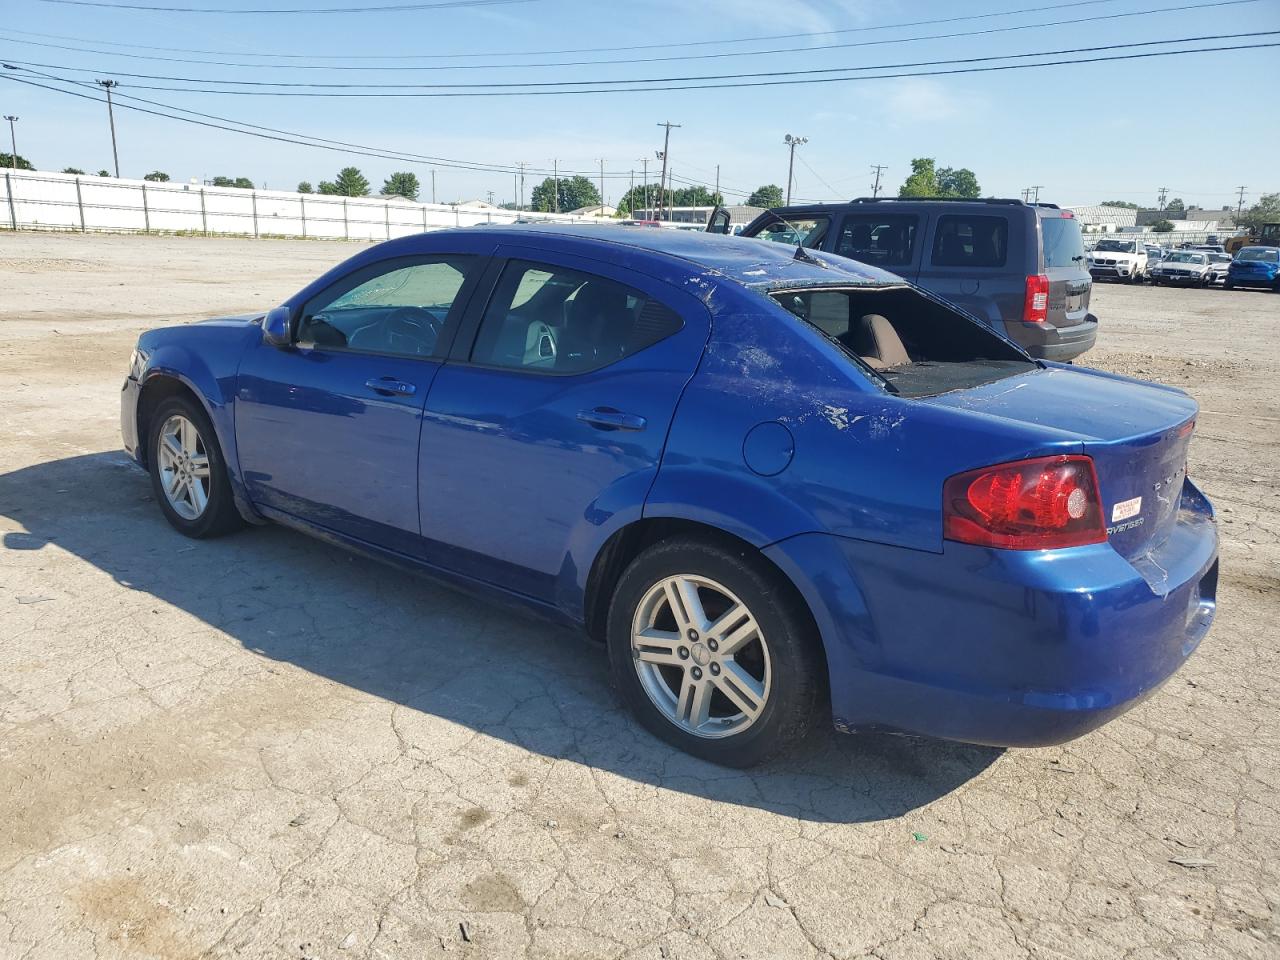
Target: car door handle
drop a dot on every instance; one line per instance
(391, 387)
(606, 418)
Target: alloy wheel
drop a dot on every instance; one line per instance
(184, 467)
(701, 656)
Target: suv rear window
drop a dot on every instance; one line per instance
(1063, 245)
(881, 240)
(971, 241)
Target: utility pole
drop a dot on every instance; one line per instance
(1240, 205)
(1026, 194)
(602, 187)
(555, 182)
(433, 186)
(521, 165)
(631, 196)
(1164, 192)
(1036, 197)
(13, 141)
(879, 168)
(666, 148)
(717, 190)
(490, 192)
(108, 85)
(792, 143)
(648, 213)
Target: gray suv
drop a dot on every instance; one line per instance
(1018, 267)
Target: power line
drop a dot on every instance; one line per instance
(507, 65)
(643, 46)
(767, 78)
(388, 8)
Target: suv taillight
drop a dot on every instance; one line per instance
(1038, 504)
(1035, 306)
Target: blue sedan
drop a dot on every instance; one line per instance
(1255, 267)
(771, 483)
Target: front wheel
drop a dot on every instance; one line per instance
(188, 473)
(714, 653)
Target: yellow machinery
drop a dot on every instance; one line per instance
(1268, 235)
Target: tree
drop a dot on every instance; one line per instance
(327, 188)
(157, 176)
(923, 181)
(243, 183)
(574, 192)
(402, 184)
(6, 161)
(350, 182)
(1160, 226)
(769, 195)
(695, 196)
(1175, 206)
(104, 173)
(77, 172)
(304, 186)
(1121, 203)
(1266, 210)
(961, 184)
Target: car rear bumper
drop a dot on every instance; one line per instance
(1002, 647)
(1044, 341)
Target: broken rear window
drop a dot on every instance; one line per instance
(914, 346)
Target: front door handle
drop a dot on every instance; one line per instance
(607, 418)
(391, 387)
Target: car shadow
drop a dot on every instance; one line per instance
(402, 638)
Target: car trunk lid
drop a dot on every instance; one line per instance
(1137, 434)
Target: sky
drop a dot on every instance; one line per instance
(1082, 132)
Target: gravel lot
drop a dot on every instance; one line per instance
(260, 747)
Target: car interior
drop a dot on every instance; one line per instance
(913, 345)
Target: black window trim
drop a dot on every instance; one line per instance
(917, 239)
(453, 319)
(469, 329)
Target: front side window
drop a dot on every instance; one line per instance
(396, 310)
(556, 320)
(797, 231)
(881, 241)
(965, 241)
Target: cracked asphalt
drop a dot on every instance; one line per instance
(262, 747)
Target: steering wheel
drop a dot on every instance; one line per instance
(419, 326)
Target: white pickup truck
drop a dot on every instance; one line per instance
(1118, 260)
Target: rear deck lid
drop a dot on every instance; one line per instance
(1137, 434)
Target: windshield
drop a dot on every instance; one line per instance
(1260, 254)
(1220, 257)
(1115, 246)
(1063, 245)
(1183, 256)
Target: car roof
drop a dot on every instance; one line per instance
(752, 263)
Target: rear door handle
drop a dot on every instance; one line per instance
(389, 386)
(606, 418)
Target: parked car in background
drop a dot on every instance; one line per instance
(1017, 267)
(1255, 267)
(1219, 264)
(763, 482)
(1154, 255)
(1210, 248)
(1187, 267)
(1118, 260)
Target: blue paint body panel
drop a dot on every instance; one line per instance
(748, 420)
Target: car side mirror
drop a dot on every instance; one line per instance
(277, 327)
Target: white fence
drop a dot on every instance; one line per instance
(35, 200)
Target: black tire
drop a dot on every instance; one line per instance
(220, 515)
(1228, 285)
(798, 669)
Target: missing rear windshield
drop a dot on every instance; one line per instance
(915, 346)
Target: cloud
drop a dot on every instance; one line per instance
(913, 101)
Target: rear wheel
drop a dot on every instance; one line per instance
(713, 652)
(188, 473)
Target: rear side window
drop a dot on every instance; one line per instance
(550, 319)
(971, 241)
(1063, 245)
(799, 231)
(881, 241)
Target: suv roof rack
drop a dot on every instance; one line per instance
(1002, 200)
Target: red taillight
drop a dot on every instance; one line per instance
(1035, 307)
(1039, 504)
